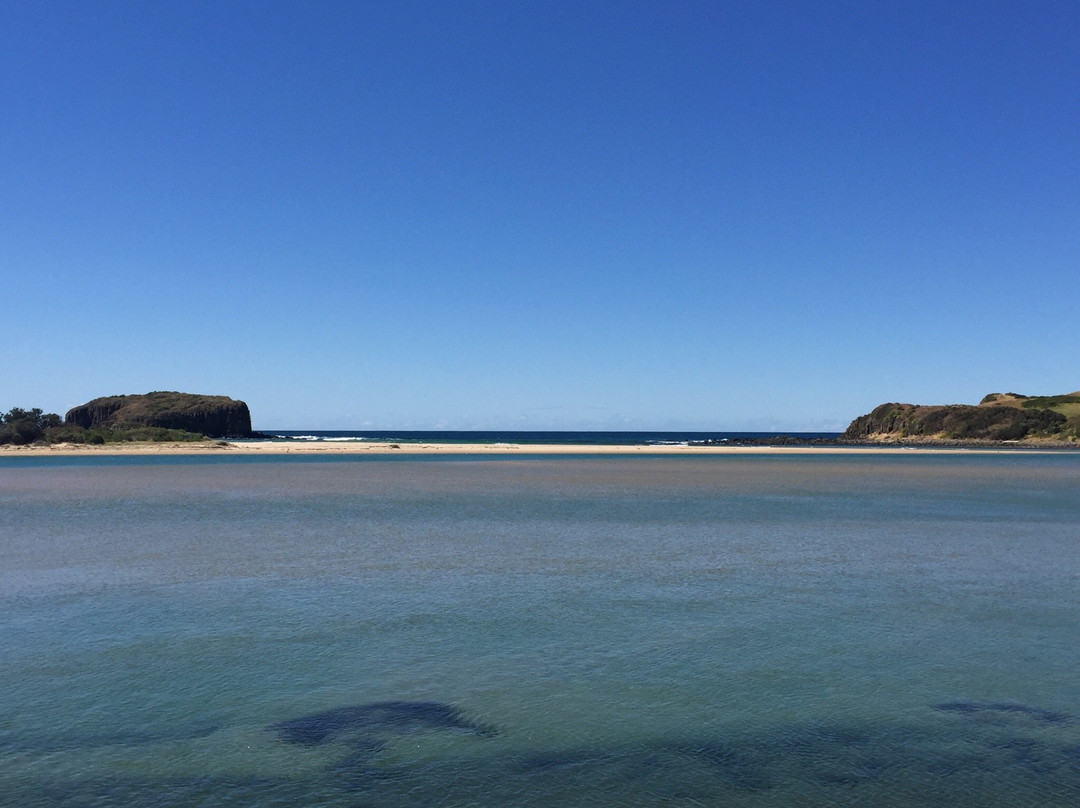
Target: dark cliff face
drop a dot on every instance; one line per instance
(214, 416)
(958, 421)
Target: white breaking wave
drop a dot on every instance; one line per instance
(320, 438)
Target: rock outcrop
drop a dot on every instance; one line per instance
(213, 416)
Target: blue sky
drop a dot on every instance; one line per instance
(540, 215)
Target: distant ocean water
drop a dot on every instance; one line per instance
(811, 630)
(595, 438)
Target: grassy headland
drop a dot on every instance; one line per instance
(999, 417)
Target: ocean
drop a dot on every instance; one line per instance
(533, 437)
(766, 630)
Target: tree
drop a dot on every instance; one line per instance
(21, 426)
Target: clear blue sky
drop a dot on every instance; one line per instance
(609, 215)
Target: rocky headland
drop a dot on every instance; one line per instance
(212, 416)
(998, 418)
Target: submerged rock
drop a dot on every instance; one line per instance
(392, 716)
(1038, 713)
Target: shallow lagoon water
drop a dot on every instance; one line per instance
(725, 631)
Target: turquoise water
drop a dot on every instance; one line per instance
(720, 631)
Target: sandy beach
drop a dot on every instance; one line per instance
(331, 447)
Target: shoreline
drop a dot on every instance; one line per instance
(267, 448)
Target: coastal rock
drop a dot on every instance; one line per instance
(213, 416)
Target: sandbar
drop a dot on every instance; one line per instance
(331, 447)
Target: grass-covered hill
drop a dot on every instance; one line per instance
(998, 417)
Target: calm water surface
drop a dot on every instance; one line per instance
(719, 631)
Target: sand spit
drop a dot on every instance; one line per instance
(386, 448)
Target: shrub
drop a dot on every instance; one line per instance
(66, 433)
(23, 427)
(1045, 402)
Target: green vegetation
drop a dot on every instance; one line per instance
(77, 434)
(998, 417)
(21, 426)
(1067, 405)
(24, 427)
(1050, 402)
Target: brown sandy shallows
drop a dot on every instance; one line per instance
(386, 448)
